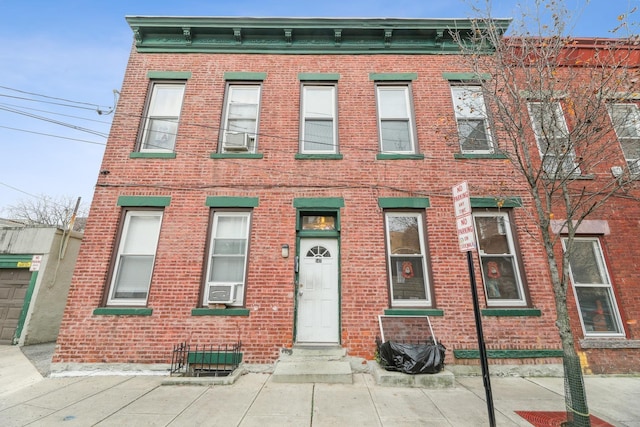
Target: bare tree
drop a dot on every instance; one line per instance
(48, 210)
(555, 104)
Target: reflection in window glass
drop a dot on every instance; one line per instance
(406, 258)
(594, 294)
(498, 262)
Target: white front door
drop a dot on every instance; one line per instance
(317, 292)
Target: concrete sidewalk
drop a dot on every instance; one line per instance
(255, 400)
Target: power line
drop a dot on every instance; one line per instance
(50, 97)
(57, 122)
(53, 136)
(55, 113)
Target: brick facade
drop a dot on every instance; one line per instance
(359, 179)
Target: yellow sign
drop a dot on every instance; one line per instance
(23, 264)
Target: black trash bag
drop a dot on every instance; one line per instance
(425, 358)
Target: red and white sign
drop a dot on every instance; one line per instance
(464, 220)
(36, 260)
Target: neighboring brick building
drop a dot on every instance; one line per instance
(305, 167)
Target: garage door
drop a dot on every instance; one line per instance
(14, 283)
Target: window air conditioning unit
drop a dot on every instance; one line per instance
(237, 141)
(221, 294)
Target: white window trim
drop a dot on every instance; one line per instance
(408, 302)
(123, 237)
(252, 137)
(562, 121)
(483, 115)
(334, 148)
(149, 118)
(632, 163)
(602, 265)
(410, 119)
(240, 287)
(513, 253)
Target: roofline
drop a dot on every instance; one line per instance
(301, 35)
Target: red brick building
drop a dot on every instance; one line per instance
(285, 182)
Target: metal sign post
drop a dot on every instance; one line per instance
(467, 242)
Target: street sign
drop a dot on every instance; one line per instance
(464, 220)
(36, 260)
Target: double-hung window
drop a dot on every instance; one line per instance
(395, 119)
(626, 122)
(593, 291)
(240, 124)
(498, 259)
(552, 136)
(161, 118)
(471, 117)
(319, 130)
(135, 258)
(406, 258)
(227, 263)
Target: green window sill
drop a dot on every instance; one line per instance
(220, 312)
(479, 156)
(507, 312)
(391, 156)
(122, 311)
(507, 354)
(237, 155)
(302, 156)
(145, 155)
(414, 312)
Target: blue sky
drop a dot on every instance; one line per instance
(75, 52)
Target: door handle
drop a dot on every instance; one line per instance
(300, 286)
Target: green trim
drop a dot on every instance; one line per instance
(479, 156)
(404, 202)
(393, 156)
(242, 75)
(148, 155)
(414, 312)
(153, 201)
(220, 311)
(169, 75)
(318, 202)
(122, 311)
(319, 233)
(393, 77)
(332, 77)
(237, 155)
(232, 202)
(495, 202)
(15, 261)
(507, 354)
(535, 312)
(305, 35)
(25, 307)
(214, 357)
(466, 76)
(303, 156)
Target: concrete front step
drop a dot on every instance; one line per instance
(312, 371)
(443, 379)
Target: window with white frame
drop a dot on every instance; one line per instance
(498, 259)
(395, 119)
(593, 290)
(626, 122)
(471, 118)
(319, 130)
(406, 257)
(135, 258)
(161, 119)
(227, 264)
(240, 123)
(552, 136)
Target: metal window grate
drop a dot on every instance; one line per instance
(212, 360)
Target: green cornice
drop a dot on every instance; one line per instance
(301, 35)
